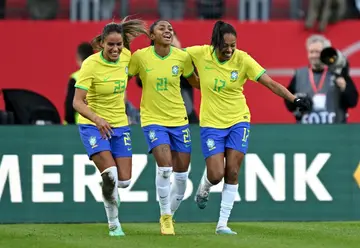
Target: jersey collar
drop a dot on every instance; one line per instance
(157, 55)
(108, 62)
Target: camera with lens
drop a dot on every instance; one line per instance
(334, 59)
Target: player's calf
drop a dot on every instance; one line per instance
(163, 188)
(227, 202)
(178, 189)
(110, 198)
(108, 183)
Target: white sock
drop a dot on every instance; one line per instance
(163, 188)
(124, 184)
(110, 195)
(206, 183)
(227, 202)
(177, 192)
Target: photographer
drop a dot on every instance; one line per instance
(331, 92)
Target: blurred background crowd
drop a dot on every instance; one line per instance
(316, 16)
(326, 11)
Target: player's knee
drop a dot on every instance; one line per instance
(124, 184)
(108, 183)
(232, 175)
(215, 177)
(164, 172)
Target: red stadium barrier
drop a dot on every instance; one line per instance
(40, 56)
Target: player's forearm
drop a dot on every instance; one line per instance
(281, 91)
(275, 87)
(194, 81)
(84, 110)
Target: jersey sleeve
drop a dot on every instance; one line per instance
(188, 66)
(134, 64)
(254, 70)
(194, 51)
(86, 75)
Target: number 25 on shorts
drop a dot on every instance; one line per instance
(186, 135)
(127, 139)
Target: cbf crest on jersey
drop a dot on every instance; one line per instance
(175, 70)
(234, 75)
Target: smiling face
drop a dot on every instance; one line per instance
(112, 44)
(229, 46)
(163, 33)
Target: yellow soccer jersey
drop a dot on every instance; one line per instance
(161, 100)
(223, 103)
(106, 84)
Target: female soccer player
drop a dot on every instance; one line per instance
(163, 115)
(103, 124)
(224, 115)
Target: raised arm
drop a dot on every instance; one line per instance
(283, 92)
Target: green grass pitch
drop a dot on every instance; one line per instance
(188, 235)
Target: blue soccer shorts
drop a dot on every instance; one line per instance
(178, 138)
(216, 140)
(119, 145)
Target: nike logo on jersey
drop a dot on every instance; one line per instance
(209, 68)
(107, 78)
(148, 70)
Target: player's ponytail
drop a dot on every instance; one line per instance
(220, 29)
(128, 30)
(132, 29)
(96, 43)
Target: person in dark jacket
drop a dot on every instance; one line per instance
(84, 50)
(330, 95)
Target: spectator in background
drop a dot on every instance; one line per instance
(43, 10)
(107, 9)
(171, 9)
(84, 50)
(331, 95)
(353, 10)
(325, 11)
(210, 9)
(2, 9)
(187, 91)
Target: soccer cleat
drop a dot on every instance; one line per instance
(166, 225)
(202, 197)
(116, 231)
(225, 230)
